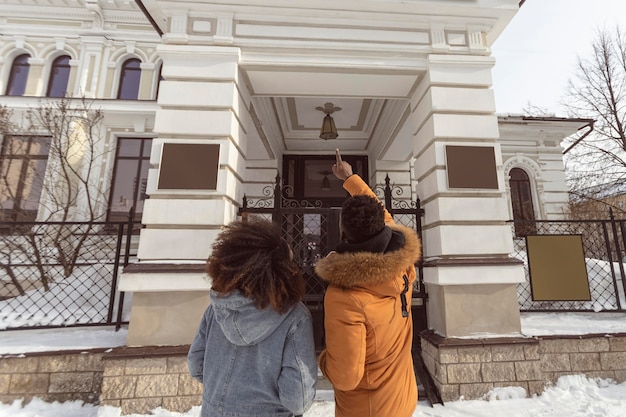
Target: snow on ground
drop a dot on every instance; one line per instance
(533, 324)
(573, 396)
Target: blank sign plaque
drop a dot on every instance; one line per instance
(189, 166)
(471, 167)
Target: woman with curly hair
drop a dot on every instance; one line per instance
(254, 350)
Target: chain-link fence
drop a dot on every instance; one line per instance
(603, 247)
(62, 274)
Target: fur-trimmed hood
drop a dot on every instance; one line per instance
(379, 272)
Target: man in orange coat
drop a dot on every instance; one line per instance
(369, 330)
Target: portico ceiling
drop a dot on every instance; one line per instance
(372, 108)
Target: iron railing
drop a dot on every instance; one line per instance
(63, 274)
(603, 246)
(312, 230)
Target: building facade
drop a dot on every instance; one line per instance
(204, 103)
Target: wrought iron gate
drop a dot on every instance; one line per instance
(313, 230)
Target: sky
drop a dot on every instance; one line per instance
(537, 52)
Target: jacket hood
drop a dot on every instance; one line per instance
(241, 322)
(380, 272)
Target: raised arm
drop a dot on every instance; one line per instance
(353, 183)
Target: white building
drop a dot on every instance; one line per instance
(227, 93)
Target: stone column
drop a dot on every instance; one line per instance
(34, 85)
(202, 110)
(147, 81)
(73, 89)
(91, 71)
(470, 277)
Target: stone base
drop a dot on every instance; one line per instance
(474, 310)
(470, 368)
(138, 380)
(52, 376)
(165, 318)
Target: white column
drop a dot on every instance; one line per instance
(471, 279)
(200, 103)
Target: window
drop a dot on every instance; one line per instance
(129, 80)
(130, 177)
(310, 177)
(18, 76)
(59, 77)
(23, 161)
(522, 202)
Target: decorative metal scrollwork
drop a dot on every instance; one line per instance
(404, 204)
(290, 203)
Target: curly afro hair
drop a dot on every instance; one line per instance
(362, 217)
(252, 257)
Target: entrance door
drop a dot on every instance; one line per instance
(313, 230)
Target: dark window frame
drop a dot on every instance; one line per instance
(145, 145)
(59, 76)
(523, 209)
(126, 90)
(17, 212)
(14, 89)
(294, 167)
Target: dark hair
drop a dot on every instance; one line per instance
(252, 257)
(362, 217)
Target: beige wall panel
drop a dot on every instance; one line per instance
(466, 209)
(196, 122)
(34, 85)
(110, 90)
(183, 61)
(165, 318)
(474, 310)
(467, 70)
(197, 94)
(187, 212)
(145, 84)
(454, 100)
(179, 244)
(454, 126)
(464, 240)
(507, 273)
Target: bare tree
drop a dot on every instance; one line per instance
(67, 189)
(534, 110)
(596, 166)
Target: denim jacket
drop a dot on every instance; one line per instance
(253, 362)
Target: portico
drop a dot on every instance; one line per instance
(413, 83)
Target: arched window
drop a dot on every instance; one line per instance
(59, 76)
(129, 80)
(522, 202)
(18, 76)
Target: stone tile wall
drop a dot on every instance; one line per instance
(471, 368)
(52, 377)
(141, 379)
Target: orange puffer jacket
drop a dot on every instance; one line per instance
(368, 340)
